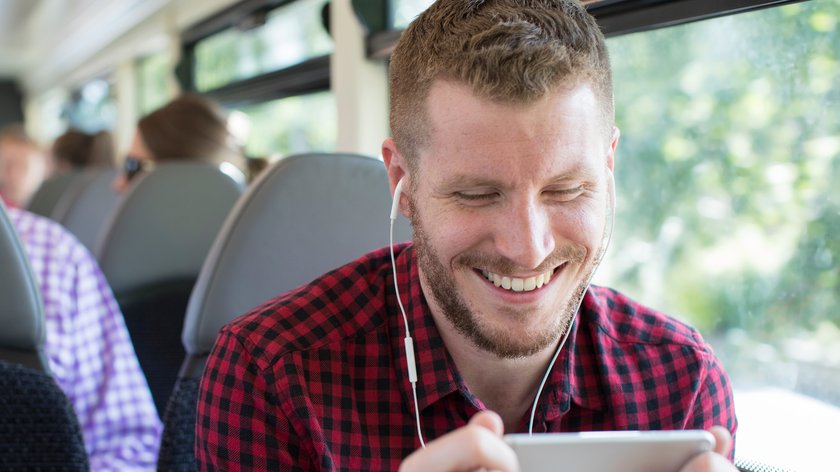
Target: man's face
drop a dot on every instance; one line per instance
(511, 208)
(22, 169)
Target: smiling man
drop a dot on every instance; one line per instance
(503, 151)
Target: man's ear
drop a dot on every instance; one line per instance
(397, 169)
(616, 134)
(396, 166)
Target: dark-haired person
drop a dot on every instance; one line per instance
(76, 149)
(189, 128)
(504, 141)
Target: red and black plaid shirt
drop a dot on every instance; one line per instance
(316, 379)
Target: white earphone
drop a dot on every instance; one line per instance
(395, 205)
(409, 343)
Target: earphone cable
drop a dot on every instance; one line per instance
(409, 343)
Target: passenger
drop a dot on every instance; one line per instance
(75, 150)
(189, 128)
(23, 166)
(88, 349)
(504, 139)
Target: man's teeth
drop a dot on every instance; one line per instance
(516, 284)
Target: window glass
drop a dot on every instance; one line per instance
(293, 125)
(153, 73)
(290, 35)
(729, 209)
(92, 108)
(406, 10)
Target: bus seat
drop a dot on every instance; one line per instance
(151, 249)
(54, 190)
(750, 465)
(307, 213)
(84, 215)
(38, 427)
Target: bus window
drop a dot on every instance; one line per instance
(729, 209)
(153, 90)
(406, 10)
(293, 125)
(272, 67)
(92, 107)
(290, 35)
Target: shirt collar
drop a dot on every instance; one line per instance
(437, 375)
(576, 377)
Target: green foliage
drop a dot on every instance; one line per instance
(729, 209)
(293, 125)
(152, 75)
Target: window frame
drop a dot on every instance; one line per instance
(615, 17)
(311, 75)
(618, 17)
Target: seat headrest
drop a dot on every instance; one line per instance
(304, 216)
(54, 190)
(85, 214)
(164, 226)
(21, 310)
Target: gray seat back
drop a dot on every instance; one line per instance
(21, 311)
(305, 216)
(53, 190)
(164, 226)
(85, 213)
(151, 250)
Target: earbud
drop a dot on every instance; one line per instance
(612, 188)
(395, 207)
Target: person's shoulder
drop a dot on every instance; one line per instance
(626, 321)
(346, 302)
(43, 235)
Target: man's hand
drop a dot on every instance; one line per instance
(477, 445)
(714, 461)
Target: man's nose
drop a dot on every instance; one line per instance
(524, 234)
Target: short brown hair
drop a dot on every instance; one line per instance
(80, 150)
(507, 51)
(192, 128)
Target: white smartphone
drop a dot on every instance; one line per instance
(609, 451)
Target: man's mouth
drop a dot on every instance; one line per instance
(516, 284)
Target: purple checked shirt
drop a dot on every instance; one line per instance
(89, 349)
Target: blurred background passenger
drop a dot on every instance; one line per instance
(255, 166)
(189, 128)
(89, 350)
(23, 166)
(76, 150)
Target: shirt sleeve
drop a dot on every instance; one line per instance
(714, 405)
(238, 422)
(109, 392)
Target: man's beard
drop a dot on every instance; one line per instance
(472, 324)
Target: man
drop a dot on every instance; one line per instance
(89, 351)
(23, 166)
(504, 142)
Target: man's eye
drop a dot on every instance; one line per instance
(475, 197)
(565, 194)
